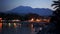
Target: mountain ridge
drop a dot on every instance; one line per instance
(26, 9)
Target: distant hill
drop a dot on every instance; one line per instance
(22, 10)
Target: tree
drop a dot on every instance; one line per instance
(57, 14)
(56, 4)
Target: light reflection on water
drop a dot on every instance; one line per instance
(18, 28)
(0, 25)
(0, 28)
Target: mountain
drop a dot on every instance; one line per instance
(21, 10)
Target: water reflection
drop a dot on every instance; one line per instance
(0, 26)
(20, 28)
(15, 25)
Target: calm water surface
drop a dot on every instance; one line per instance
(23, 29)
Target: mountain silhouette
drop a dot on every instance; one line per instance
(26, 9)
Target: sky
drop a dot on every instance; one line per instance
(6, 5)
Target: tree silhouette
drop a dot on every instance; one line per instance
(56, 13)
(56, 4)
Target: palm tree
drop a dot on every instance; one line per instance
(56, 4)
(57, 7)
(56, 13)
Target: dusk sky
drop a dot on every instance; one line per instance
(7, 5)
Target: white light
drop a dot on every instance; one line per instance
(9, 24)
(32, 19)
(40, 28)
(15, 20)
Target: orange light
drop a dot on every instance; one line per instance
(38, 20)
(0, 20)
(32, 20)
(15, 25)
(48, 20)
(0, 25)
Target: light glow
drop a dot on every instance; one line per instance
(9, 24)
(38, 20)
(32, 19)
(14, 24)
(15, 20)
(0, 25)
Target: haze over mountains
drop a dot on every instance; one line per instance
(21, 10)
